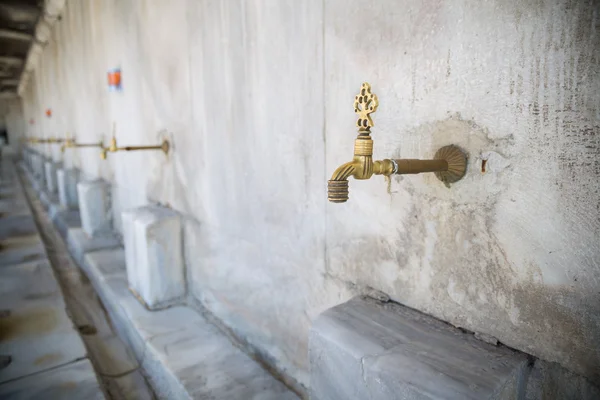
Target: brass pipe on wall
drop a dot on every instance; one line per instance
(113, 148)
(158, 147)
(449, 163)
(70, 143)
(46, 141)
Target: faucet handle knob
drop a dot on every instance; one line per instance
(365, 103)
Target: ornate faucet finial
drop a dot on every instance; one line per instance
(365, 103)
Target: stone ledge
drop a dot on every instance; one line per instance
(49, 201)
(80, 243)
(35, 183)
(28, 173)
(52, 206)
(183, 354)
(66, 219)
(364, 349)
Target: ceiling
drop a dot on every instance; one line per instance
(18, 19)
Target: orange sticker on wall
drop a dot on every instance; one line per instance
(114, 79)
(48, 113)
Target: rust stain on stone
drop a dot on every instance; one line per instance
(31, 322)
(87, 329)
(31, 257)
(68, 385)
(49, 358)
(38, 296)
(18, 242)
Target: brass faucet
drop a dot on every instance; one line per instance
(164, 146)
(68, 143)
(449, 163)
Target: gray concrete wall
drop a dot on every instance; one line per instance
(256, 97)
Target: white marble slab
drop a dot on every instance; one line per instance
(94, 207)
(184, 355)
(80, 242)
(152, 237)
(66, 219)
(74, 381)
(364, 349)
(67, 179)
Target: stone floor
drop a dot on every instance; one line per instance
(42, 355)
(55, 340)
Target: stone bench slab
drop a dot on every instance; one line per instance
(80, 243)
(66, 219)
(364, 349)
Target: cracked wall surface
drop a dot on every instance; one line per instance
(256, 97)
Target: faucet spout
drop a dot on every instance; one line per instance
(344, 171)
(337, 186)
